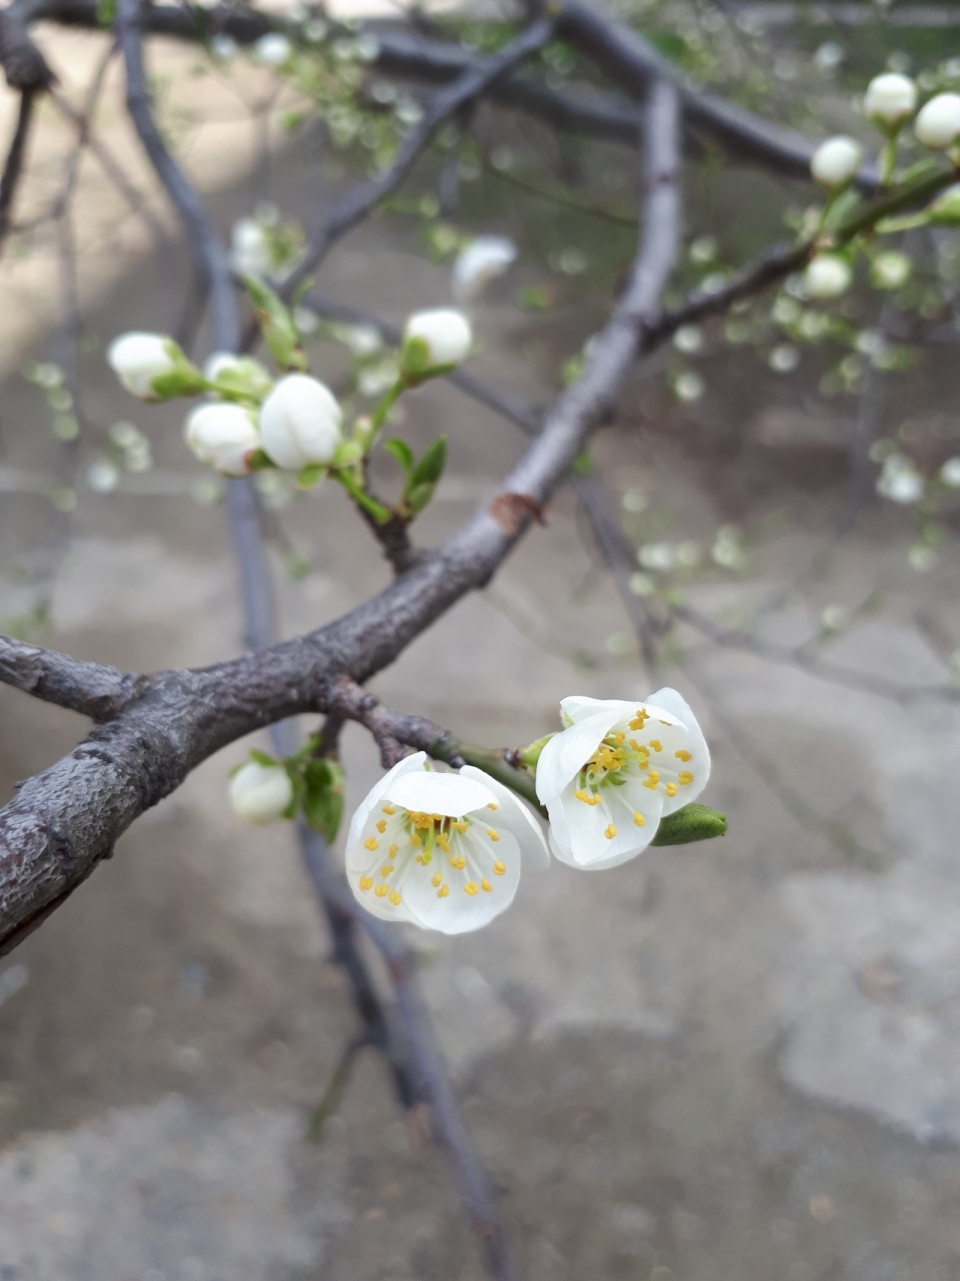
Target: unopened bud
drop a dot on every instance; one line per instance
(434, 340)
(260, 793)
(482, 261)
(889, 100)
(139, 359)
(890, 270)
(827, 276)
(300, 423)
(274, 49)
(691, 823)
(223, 436)
(938, 124)
(240, 375)
(836, 161)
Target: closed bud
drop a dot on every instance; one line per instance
(240, 375)
(889, 100)
(300, 423)
(138, 359)
(249, 249)
(435, 340)
(482, 261)
(938, 124)
(836, 161)
(274, 49)
(260, 794)
(827, 276)
(945, 210)
(890, 270)
(223, 436)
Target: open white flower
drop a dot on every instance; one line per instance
(482, 261)
(835, 161)
(615, 771)
(436, 338)
(260, 793)
(223, 436)
(138, 358)
(440, 850)
(300, 422)
(938, 123)
(274, 49)
(889, 99)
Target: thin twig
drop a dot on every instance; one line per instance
(13, 167)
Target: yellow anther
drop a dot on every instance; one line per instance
(670, 789)
(637, 747)
(443, 891)
(382, 891)
(381, 825)
(443, 840)
(638, 819)
(387, 869)
(652, 779)
(460, 826)
(414, 839)
(619, 736)
(436, 878)
(499, 868)
(471, 888)
(372, 843)
(393, 851)
(388, 809)
(366, 882)
(494, 836)
(610, 831)
(421, 860)
(493, 805)
(682, 755)
(656, 744)
(458, 861)
(685, 777)
(581, 795)
(486, 886)
(394, 898)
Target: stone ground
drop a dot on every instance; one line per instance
(734, 1060)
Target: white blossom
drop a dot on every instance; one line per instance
(223, 436)
(890, 270)
(480, 262)
(446, 333)
(899, 480)
(827, 276)
(938, 123)
(615, 770)
(260, 793)
(274, 49)
(688, 339)
(836, 161)
(138, 358)
(241, 373)
(249, 248)
(223, 48)
(440, 850)
(950, 473)
(890, 99)
(300, 422)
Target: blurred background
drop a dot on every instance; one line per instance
(734, 1059)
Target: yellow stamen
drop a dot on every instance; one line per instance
(656, 744)
(393, 851)
(372, 843)
(394, 898)
(494, 836)
(387, 869)
(610, 831)
(460, 826)
(685, 777)
(443, 891)
(381, 825)
(682, 755)
(388, 809)
(492, 805)
(471, 888)
(382, 891)
(485, 885)
(458, 861)
(499, 868)
(436, 878)
(652, 779)
(670, 789)
(366, 882)
(639, 820)
(414, 839)
(619, 736)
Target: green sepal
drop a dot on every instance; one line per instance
(311, 475)
(530, 754)
(415, 357)
(247, 381)
(691, 823)
(262, 758)
(323, 796)
(277, 325)
(184, 379)
(348, 452)
(259, 460)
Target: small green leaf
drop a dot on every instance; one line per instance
(261, 757)
(430, 467)
(691, 823)
(323, 796)
(402, 452)
(276, 324)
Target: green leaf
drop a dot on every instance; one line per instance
(277, 325)
(323, 796)
(259, 460)
(261, 757)
(692, 823)
(402, 452)
(430, 467)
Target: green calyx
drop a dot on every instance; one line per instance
(693, 822)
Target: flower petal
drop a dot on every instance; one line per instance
(364, 866)
(462, 901)
(375, 794)
(437, 792)
(564, 756)
(584, 828)
(699, 764)
(514, 817)
(577, 707)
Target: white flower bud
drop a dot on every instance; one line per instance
(827, 276)
(274, 49)
(223, 436)
(223, 48)
(249, 249)
(300, 422)
(835, 161)
(446, 334)
(138, 358)
(890, 270)
(260, 793)
(239, 373)
(889, 99)
(482, 261)
(938, 124)
(900, 481)
(950, 473)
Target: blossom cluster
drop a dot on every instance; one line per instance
(444, 849)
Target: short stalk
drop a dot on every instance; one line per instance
(346, 478)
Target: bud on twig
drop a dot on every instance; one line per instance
(300, 423)
(224, 436)
(259, 793)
